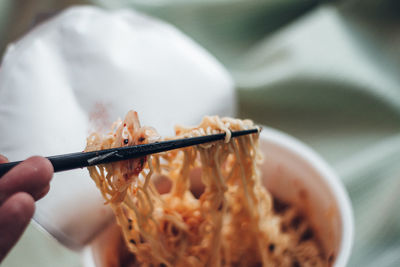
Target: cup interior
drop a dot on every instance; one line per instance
(294, 174)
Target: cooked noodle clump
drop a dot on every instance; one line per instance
(232, 223)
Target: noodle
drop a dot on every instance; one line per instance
(232, 223)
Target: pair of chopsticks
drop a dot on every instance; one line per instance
(84, 159)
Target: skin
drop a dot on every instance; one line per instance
(19, 189)
(164, 185)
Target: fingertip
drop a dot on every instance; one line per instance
(162, 183)
(42, 167)
(196, 184)
(20, 206)
(43, 193)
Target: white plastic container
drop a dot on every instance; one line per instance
(293, 173)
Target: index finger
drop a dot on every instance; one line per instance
(31, 176)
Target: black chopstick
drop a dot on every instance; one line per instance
(83, 159)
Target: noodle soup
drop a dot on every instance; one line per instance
(295, 176)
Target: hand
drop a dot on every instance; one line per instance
(164, 185)
(19, 189)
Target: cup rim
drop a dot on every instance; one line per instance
(326, 173)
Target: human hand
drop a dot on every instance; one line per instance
(19, 189)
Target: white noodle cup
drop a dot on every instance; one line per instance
(293, 173)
